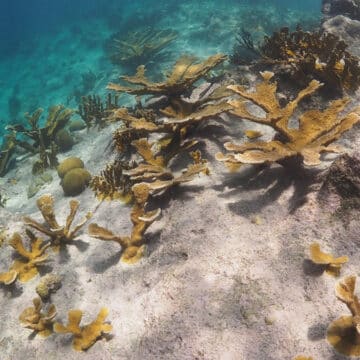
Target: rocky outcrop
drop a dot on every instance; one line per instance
(346, 29)
(349, 8)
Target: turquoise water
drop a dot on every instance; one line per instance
(53, 52)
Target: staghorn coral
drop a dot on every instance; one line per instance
(316, 131)
(139, 47)
(59, 235)
(184, 74)
(84, 336)
(33, 318)
(9, 277)
(344, 333)
(133, 246)
(309, 55)
(95, 112)
(331, 264)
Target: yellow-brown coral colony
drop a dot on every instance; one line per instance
(152, 140)
(84, 336)
(344, 333)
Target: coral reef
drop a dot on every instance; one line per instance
(84, 336)
(344, 333)
(313, 55)
(59, 235)
(139, 47)
(350, 8)
(316, 131)
(331, 264)
(41, 323)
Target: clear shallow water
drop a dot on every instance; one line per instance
(46, 47)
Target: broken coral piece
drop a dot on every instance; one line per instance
(344, 333)
(33, 318)
(133, 246)
(302, 357)
(316, 131)
(84, 336)
(184, 74)
(253, 134)
(27, 267)
(332, 265)
(59, 235)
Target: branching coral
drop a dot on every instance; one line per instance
(33, 318)
(344, 333)
(27, 267)
(331, 264)
(112, 184)
(314, 135)
(7, 149)
(133, 245)
(94, 111)
(84, 336)
(184, 74)
(140, 47)
(59, 235)
(313, 54)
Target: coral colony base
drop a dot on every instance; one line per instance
(208, 263)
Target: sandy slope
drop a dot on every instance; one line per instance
(226, 275)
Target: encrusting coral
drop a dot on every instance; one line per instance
(84, 336)
(33, 318)
(59, 235)
(331, 264)
(316, 131)
(344, 333)
(139, 47)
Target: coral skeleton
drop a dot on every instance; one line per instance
(33, 318)
(332, 265)
(316, 132)
(84, 336)
(344, 333)
(59, 235)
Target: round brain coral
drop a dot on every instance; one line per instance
(75, 181)
(68, 164)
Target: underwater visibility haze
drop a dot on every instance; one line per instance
(179, 179)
